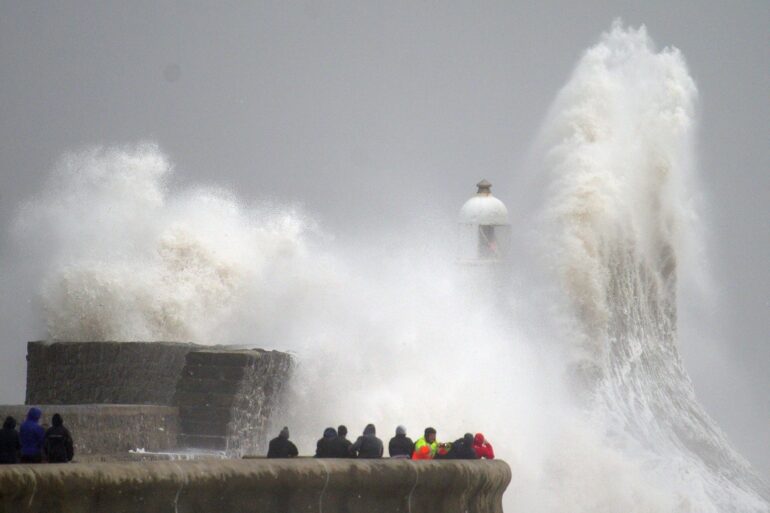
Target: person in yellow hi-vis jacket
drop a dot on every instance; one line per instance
(426, 447)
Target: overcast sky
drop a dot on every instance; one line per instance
(344, 106)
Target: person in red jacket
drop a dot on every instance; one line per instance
(482, 447)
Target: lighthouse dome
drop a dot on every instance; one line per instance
(483, 208)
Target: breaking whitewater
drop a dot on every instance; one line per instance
(570, 366)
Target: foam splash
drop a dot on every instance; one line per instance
(126, 260)
(620, 160)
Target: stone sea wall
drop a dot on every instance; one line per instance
(104, 372)
(226, 398)
(259, 396)
(304, 485)
(223, 396)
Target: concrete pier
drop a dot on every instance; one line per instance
(304, 485)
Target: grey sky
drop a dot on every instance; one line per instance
(344, 106)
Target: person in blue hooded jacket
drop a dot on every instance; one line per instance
(32, 434)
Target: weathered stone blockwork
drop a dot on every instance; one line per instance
(103, 429)
(104, 372)
(252, 486)
(226, 398)
(225, 395)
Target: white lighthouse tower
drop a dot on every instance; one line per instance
(485, 233)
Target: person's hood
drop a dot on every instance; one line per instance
(34, 414)
(370, 430)
(400, 430)
(478, 439)
(9, 423)
(284, 433)
(329, 433)
(56, 420)
(468, 439)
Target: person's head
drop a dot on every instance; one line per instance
(468, 439)
(330, 432)
(342, 431)
(34, 414)
(401, 430)
(479, 439)
(10, 423)
(56, 420)
(370, 430)
(284, 432)
(430, 435)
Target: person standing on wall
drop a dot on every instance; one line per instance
(57, 443)
(9, 442)
(281, 446)
(31, 434)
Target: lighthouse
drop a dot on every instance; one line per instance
(484, 231)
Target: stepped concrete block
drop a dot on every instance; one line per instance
(232, 394)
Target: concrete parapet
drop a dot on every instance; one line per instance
(108, 429)
(257, 485)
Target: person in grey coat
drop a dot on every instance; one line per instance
(368, 445)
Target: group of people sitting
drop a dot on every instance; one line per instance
(335, 444)
(33, 443)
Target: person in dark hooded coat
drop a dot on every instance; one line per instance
(400, 446)
(462, 449)
(341, 445)
(325, 446)
(9, 442)
(31, 434)
(281, 446)
(368, 445)
(57, 444)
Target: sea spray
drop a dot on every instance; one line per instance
(126, 260)
(619, 154)
(387, 333)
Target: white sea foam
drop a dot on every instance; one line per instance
(620, 219)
